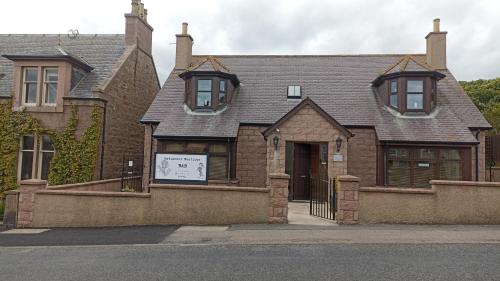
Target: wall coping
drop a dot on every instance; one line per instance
(348, 178)
(73, 185)
(209, 187)
(279, 176)
(13, 191)
(466, 183)
(397, 190)
(94, 193)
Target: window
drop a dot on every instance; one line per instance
(222, 91)
(415, 94)
(204, 93)
(26, 157)
(30, 87)
(218, 155)
(393, 97)
(415, 167)
(77, 75)
(50, 79)
(293, 92)
(46, 155)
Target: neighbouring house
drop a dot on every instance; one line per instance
(101, 80)
(394, 120)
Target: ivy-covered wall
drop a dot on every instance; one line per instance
(75, 158)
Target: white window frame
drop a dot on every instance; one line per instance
(45, 84)
(20, 157)
(40, 153)
(294, 92)
(23, 101)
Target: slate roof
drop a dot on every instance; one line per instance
(100, 51)
(341, 85)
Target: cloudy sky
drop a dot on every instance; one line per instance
(284, 27)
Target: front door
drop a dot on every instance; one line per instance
(301, 170)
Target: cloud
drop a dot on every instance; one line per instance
(286, 27)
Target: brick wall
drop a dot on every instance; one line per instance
(362, 155)
(251, 157)
(129, 95)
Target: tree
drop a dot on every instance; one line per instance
(486, 96)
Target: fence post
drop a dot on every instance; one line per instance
(348, 200)
(278, 209)
(26, 203)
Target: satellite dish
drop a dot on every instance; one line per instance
(73, 33)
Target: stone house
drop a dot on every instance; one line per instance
(47, 76)
(395, 120)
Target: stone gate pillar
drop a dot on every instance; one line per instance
(27, 201)
(278, 208)
(347, 200)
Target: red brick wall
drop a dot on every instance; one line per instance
(251, 157)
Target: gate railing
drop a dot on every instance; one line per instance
(132, 173)
(323, 199)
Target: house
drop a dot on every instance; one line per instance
(105, 82)
(390, 119)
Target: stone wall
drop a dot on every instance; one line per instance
(495, 174)
(307, 125)
(129, 94)
(251, 156)
(362, 155)
(447, 202)
(110, 185)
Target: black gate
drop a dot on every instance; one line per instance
(132, 173)
(323, 202)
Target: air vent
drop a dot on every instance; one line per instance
(293, 92)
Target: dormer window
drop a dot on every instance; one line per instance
(204, 93)
(31, 89)
(415, 95)
(393, 98)
(293, 92)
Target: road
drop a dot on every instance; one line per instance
(253, 262)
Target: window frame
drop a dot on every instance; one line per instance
(211, 93)
(25, 82)
(407, 94)
(224, 101)
(294, 96)
(20, 157)
(391, 93)
(45, 84)
(40, 155)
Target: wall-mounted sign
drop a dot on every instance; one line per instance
(424, 165)
(180, 168)
(338, 157)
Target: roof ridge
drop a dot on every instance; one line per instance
(337, 55)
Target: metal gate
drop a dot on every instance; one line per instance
(132, 173)
(323, 200)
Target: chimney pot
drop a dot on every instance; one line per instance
(436, 25)
(184, 28)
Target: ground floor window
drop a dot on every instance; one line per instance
(416, 166)
(31, 166)
(219, 155)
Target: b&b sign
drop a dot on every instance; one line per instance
(181, 168)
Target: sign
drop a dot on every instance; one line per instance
(338, 157)
(424, 165)
(181, 168)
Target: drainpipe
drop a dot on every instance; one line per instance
(477, 155)
(150, 155)
(103, 139)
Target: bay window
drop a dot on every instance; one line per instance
(34, 93)
(50, 78)
(393, 97)
(30, 85)
(204, 93)
(415, 167)
(222, 91)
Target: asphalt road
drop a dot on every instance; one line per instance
(253, 262)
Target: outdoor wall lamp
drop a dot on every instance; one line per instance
(338, 141)
(276, 139)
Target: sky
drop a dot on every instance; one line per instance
(285, 27)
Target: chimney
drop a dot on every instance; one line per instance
(436, 47)
(137, 29)
(184, 48)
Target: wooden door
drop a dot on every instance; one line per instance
(301, 162)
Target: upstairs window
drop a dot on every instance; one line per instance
(50, 79)
(30, 85)
(293, 92)
(204, 93)
(415, 95)
(393, 97)
(222, 91)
